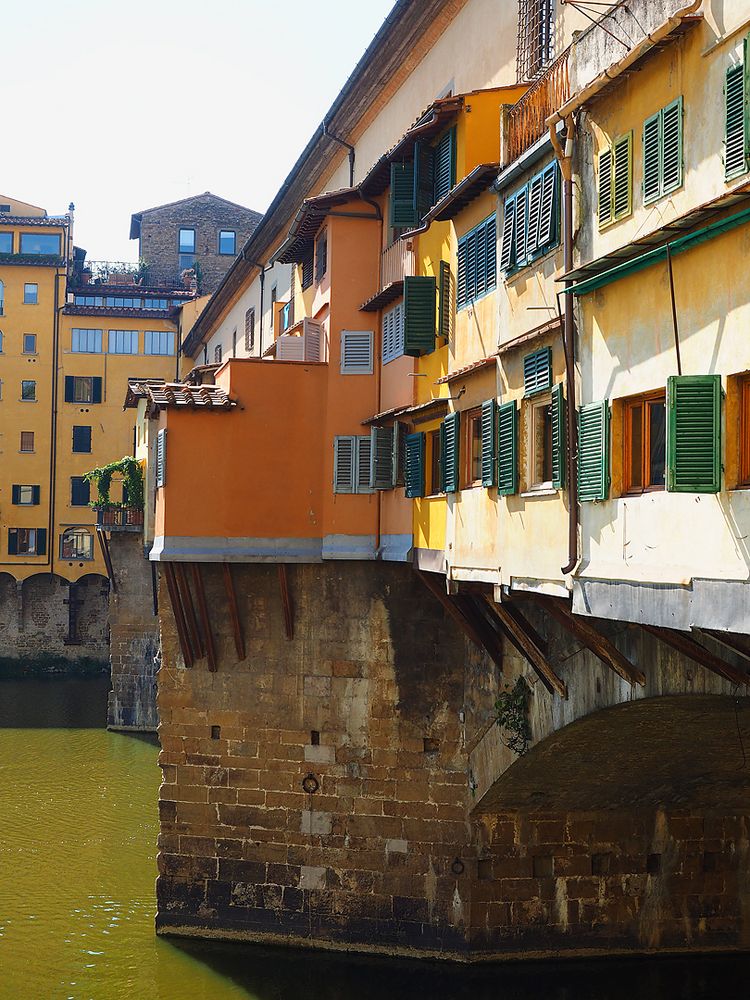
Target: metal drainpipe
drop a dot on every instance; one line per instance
(347, 145)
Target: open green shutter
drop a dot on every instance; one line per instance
(605, 187)
(381, 458)
(489, 442)
(414, 472)
(36, 494)
(15, 494)
(507, 448)
(69, 389)
(424, 178)
(694, 433)
(593, 451)
(96, 389)
(651, 158)
(735, 122)
(419, 315)
(507, 255)
(535, 210)
(445, 164)
(343, 464)
(12, 541)
(398, 457)
(445, 301)
(522, 225)
(403, 207)
(537, 371)
(622, 188)
(671, 137)
(41, 542)
(558, 437)
(449, 452)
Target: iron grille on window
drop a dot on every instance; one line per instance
(536, 43)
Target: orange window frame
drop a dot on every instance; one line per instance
(744, 469)
(640, 405)
(434, 481)
(472, 424)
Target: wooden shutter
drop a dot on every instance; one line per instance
(507, 448)
(70, 391)
(449, 452)
(558, 437)
(398, 457)
(419, 315)
(735, 122)
(403, 208)
(694, 433)
(161, 458)
(41, 542)
(480, 263)
(537, 371)
(424, 178)
(393, 333)
(381, 458)
(343, 464)
(461, 289)
(593, 451)
(489, 442)
(522, 199)
(312, 335)
(356, 352)
(36, 492)
(490, 240)
(535, 209)
(414, 471)
(445, 164)
(605, 187)
(471, 266)
(12, 541)
(548, 213)
(96, 389)
(307, 270)
(671, 129)
(651, 158)
(363, 464)
(445, 303)
(15, 494)
(622, 189)
(290, 348)
(507, 256)
(82, 439)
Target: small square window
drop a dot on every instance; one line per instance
(472, 449)
(30, 294)
(29, 343)
(27, 440)
(28, 391)
(25, 495)
(26, 541)
(227, 242)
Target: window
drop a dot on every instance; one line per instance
(662, 152)
(536, 44)
(274, 293)
(321, 255)
(159, 342)
(27, 441)
(2, 298)
(217, 354)
(249, 330)
(80, 492)
(86, 341)
(76, 543)
(351, 464)
(186, 245)
(435, 482)
(616, 181)
(645, 444)
(89, 300)
(82, 439)
(227, 242)
(393, 333)
(43, 244)
(28, 391)
(123, 342)
(531, 220)
(27, 541)
(736, 119)
(472, 470)
(30, 294)
(356, 352)
(540, 444)
(6, 242)
(25, 496)
(477, 260)
(83, 389)
(1, 341)
(29, 343)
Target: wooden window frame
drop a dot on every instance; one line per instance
(629, 405)
(29, 439)
(540, 401)
(744, 429)
(470, 420)
(435, 480)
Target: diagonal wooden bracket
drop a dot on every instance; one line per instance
(468, 625)
(179, 617)
(521, 634)
(592, 638)
(205, 622)
(239, 639)
(286, 601)
(694, 651)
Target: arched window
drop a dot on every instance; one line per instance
(76, 543)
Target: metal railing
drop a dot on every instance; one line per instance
(396, 263)
(119, 518)
(528, 116)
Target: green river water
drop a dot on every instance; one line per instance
(78, 826)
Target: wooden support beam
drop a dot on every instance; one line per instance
(592, 638)
(239, 639)
(107, 557)
(174, 600)
(469, 605)
(434, 584)
(188, 611)
(286, 602)
(693, 650)
(519, 632)
(728, 640)
(205, 623)
(513, 607)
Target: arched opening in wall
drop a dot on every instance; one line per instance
(88, 618)
(8, 605)
(629, 828)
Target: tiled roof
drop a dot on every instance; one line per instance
(71, 310)
(176, 395)
(34, 220)
(466, 370)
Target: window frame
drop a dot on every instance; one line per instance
(27, 300)
(233, 251)
(33, 338)
(517, 262)
(81, 380)
(77, 533)
(534, 405)
(644, 401)
(250, 329)
(40, 253)
(30, 537)
(76, 337)
(321, 255)
(25, 384)
(113, 336)
(434, 465)
(471, 429)
(160, 335)
(29, 436)
(11, 238)
(78, 482)
(81, 451)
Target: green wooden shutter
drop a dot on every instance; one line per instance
(605, 187)
(461, 284)
(69, 389)
(41, 542)
(694, 433)
(671, 139)
(15, 494)
(507, 448)
(36, 492)
(445, 301)
(522, 225)
(535, 211)
(507, 256)
(537, 371)
(558, 437)
(403, 209)
(12, 541)
(735, 122)
(414, 471)
(398, 457)
(96, 389)
(419, 315)
(381, 458)
(445, 164)
(489, 442)
(549, 212)
(593, 451)
(651, 158)
(424, 178)
(449, 452)
(622, 188)
(161, 458)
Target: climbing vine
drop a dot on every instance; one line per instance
(132, 478)
(512, 708)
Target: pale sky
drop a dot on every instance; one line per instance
(118, 107)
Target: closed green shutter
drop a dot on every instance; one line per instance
(381, 458)
(593, 451)
(161, 458)
(507, 448)
(419, 315)
(445, 301)
(535, 211)
(671, 125)
(735, 122)
(424, 178)
(694, 433)
(445, 164)
(605, 187)
(622, 192)
(449, 452)
(537, 371)
(651, 158)
(489, 442)
(414, 471)
(507, 254)
(558, 437)
(403, 208)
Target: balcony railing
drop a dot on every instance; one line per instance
(396, 263)
(115, 272)
(528, 116)
(119, 518)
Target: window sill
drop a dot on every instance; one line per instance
(540, 491)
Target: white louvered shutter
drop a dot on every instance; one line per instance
(343, 464)
(356, 352)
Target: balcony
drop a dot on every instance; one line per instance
(119, 518)
(123, 274)
(396, 263)
(528, 117)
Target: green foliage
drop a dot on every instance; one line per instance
(512, 708)
(132, 477)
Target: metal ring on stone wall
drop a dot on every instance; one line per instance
(458, 867)
(310, 783)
